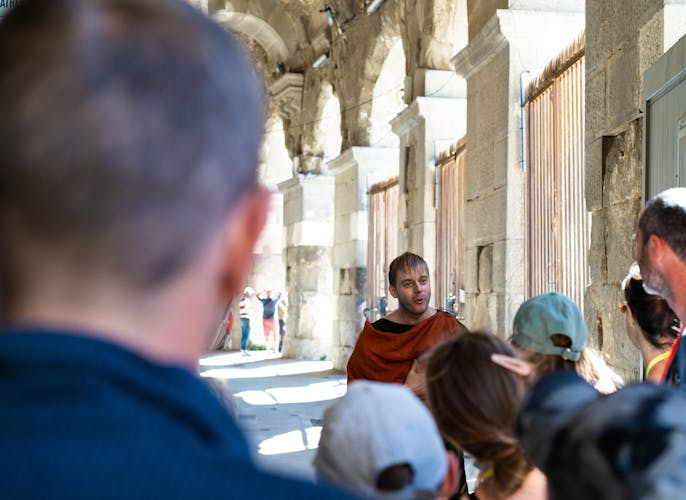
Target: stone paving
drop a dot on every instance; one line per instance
(280, 404)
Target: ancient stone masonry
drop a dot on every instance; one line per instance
(464, 65)
(504, 44)
(623, 39)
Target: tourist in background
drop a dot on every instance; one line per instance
(269, 298)
(245, 313)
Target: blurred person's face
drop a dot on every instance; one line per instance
(413, 290)
(654, 282)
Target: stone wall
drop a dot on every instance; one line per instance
(623, 38)
(512, 44)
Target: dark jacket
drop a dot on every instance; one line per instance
(85, 419)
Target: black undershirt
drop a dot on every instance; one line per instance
(383, 325)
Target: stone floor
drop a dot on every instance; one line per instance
(280, 404)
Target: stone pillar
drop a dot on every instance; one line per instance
(356, 170)
(429, 125)
(308, 220)
(287, 93)
(511, 45)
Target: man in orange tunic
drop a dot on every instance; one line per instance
(387, 349)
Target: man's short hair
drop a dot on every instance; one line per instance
(665, 216)
(129, 130)
(408, 260)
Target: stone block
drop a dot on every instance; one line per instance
(504, 144)
(471, 269)
(346, 307)
(315, 316)
(597, 257)
(622, 161)
(346, 254)
(499, 262)
(596, 105)
(619, 242)
(341, 229)
(486, 172)
(513, 279)
(485, 266)
(292, 207)
(597, 43)
(488, 103)
(651, 41)
(485, 312)
(607, 330)
(473, 165)
(623, 87)
(347, 191)
(349, 333)
(351, 281)
(511, 302)
(359, 225)
(593, 174)
(310, 233)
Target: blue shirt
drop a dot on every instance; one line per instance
(268, 307)
(84, 419)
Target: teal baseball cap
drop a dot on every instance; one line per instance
(549, 314)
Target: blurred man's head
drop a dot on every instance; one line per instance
(661, 244)
(129, 136)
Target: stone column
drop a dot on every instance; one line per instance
(434, 120)
(308, 220)
(356, 170)
(511, 45)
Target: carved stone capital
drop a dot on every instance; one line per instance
(287, 92)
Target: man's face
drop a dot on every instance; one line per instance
(413, 290)
(654, 281)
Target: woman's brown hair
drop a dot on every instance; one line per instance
(659, 324)
(591, 365)
(475, 403)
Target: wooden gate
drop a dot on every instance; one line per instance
(558, 222)
(382, 247)
(450, 197)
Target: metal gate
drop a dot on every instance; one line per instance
(382, 246)
(558, 222)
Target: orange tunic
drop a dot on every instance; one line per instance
(388, 357)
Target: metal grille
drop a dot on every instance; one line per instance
(450, 228)
(382, 246)
(558, 223)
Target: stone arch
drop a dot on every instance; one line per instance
(355, 79)
(388, 97)
(257, 29)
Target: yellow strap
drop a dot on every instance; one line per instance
(487, 474)
(654, 361)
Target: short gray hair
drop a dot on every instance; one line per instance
(129, 130)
